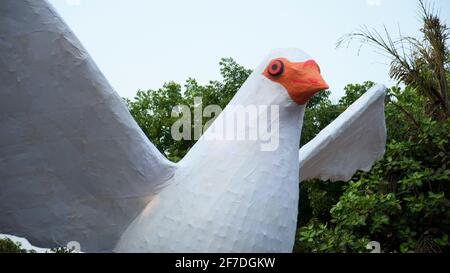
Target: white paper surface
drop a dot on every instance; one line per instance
(352, 142)
(75, 166)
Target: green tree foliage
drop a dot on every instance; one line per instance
(316, 197)
(403, 201)
(316, 118)
(152, 108)
(421, 63)
(8, 246)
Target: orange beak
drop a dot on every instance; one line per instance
(302, 80)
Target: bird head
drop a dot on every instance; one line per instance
(300, 79)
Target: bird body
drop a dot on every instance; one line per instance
(75, 166)
(230, 195)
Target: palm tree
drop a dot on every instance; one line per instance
(422, 63)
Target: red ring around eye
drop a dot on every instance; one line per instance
(275, 68)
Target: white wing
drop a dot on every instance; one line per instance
(74, 165)
(352, 142)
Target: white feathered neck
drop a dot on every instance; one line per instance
(229, 195)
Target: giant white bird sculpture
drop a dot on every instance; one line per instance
(75, 166)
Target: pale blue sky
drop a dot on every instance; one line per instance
(140, 44)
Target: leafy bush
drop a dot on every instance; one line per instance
(403, 201)
(8, 246)
(152, 108)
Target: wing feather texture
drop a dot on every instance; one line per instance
(75, 166)
(352, 142)
(73, 162)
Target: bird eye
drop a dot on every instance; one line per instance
(275, 68)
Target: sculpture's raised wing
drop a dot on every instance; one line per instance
(351, 142)
(74, 165)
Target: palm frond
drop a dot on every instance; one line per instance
(418, 62)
